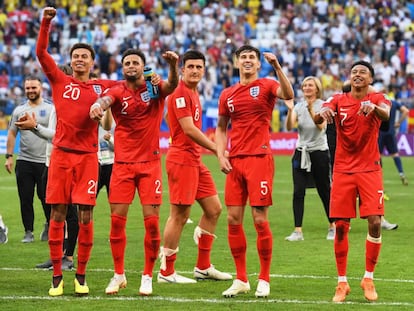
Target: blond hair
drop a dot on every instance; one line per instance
(318, 85)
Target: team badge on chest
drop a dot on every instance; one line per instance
(145, 97)
(97, 89)
(254, 91)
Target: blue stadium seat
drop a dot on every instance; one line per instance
(13, 80)
(217, 90)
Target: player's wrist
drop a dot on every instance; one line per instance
(95, 105)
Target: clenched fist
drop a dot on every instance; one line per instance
(49, 12)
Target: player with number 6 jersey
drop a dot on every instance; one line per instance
(73, 170)
(189, 179)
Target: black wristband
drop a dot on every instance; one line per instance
(9, 155)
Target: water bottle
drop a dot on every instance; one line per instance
(152, 89)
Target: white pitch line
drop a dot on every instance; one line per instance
(203, 300)
(214, 301)
(276, 276)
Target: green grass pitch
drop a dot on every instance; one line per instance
(303, 274)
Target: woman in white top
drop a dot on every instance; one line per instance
(311, 159)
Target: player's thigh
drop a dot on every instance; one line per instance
(343, 196)
(259, 172)
(122, 185)
(235, 189)
(371, 193)
(85, 183)
(182, 183)
(149, 182)
(206, 186)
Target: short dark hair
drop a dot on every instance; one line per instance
(366, 64)
(346, 87)
(31, 77)
(133, 52)
(81, 45)
(247, 48)
(67, 69)
(193, 54)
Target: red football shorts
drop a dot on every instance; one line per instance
(146, 177)
(365, 187)
(72, 178)
(251, 177)
(189, 183)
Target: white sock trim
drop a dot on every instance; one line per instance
(164, 253)
(369, 275)
(374, 240)
(342, 279)
(198, 232)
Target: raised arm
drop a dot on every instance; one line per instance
(285, 91)
(46, 61)
(169, 86)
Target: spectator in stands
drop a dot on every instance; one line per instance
(4, 83)
(3, 120)
(196, 29)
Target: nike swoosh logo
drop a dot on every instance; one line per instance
(74, 84)
(126, 98)
(202, 273)
(167, 280)
(343, 109)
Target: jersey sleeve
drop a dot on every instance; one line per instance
(331, 102)
(46, 61)
(181, 105)
(381, 98)
(223, 109)
(113, 92)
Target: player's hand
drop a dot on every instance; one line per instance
(366, 108)
(49, 12)
(327, 114)
(96, 112)
(170, 57)
(271, 59)
(155, 79)
(225, 165)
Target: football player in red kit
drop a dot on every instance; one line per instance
(137, 163)
(73, 170)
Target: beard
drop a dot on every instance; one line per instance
(131, 78)
(33, 97)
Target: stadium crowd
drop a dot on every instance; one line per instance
(311, 37)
